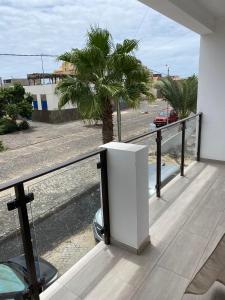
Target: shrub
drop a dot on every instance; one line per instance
(25, 109)
(7, 126)
(24, 125)
(12, 111)
(1, 146)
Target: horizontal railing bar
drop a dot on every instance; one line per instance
(161, 128)
(42, 172)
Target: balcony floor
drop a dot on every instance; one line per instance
(186, 224)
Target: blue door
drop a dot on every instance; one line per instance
(44, 104)
(35, 102)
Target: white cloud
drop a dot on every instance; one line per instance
(55, 26)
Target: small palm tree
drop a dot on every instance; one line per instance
(103, 74)
(180, 94)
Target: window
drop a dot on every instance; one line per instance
(35, 102)
(163, 114)
(44, 104)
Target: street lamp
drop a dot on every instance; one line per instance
(168, 70)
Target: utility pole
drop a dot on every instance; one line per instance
(118, 120)
(167, 108)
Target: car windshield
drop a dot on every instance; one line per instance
(9, 280)
(163, 113)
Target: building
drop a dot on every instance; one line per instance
(12, 81)
(65, 69)
(45, 105)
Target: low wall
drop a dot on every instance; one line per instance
(55, 116)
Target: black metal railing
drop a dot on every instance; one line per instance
(158, 132)
(21, 199)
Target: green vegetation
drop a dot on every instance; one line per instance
(14, 102)
(104, 74)
(180, 94)
(23, 125)
(1, 147)
(7, 126)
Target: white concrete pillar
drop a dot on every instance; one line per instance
(128, 194)
(211, 95)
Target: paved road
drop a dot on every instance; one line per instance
(47, 144)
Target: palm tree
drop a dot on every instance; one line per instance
(180, 94)
(103, 74)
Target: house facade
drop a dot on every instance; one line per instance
(45, 105)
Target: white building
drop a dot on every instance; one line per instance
(45, 105)
(45, 97)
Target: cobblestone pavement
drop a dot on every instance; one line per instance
(62, 210)
(63, 237)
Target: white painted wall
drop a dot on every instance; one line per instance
(211, 97)
(49, 91)
(128, 194)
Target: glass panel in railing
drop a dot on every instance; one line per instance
(135, 121)
(10, 238)
(171, 153)
(150, 142)
(67, 217)
(13, 275)
(190, 141)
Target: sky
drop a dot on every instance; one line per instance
(56, 26)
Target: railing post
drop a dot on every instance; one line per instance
(199, 137)
(158, 163)
(21, 205)
(105, 196)
(182, 149)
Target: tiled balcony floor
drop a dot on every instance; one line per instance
(186, 225)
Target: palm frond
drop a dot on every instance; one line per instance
(100, 38)
(127, 46)
(181, 94)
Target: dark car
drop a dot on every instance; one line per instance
(14, 278)
(165, 117)
(168, 171)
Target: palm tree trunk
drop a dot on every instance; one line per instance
(107, 122)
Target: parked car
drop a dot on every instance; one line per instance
(14, 278)
(168, 171)
(165, 117)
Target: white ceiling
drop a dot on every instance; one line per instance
(215, 7)
(197, 15)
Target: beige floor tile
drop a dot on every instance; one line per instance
(133, 269)
(203, 221)
(162, 284)
(216, 196)
(109, 287)
(184, 253)
(94, 271)
(58, 292)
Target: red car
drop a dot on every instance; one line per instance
(165, 117)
